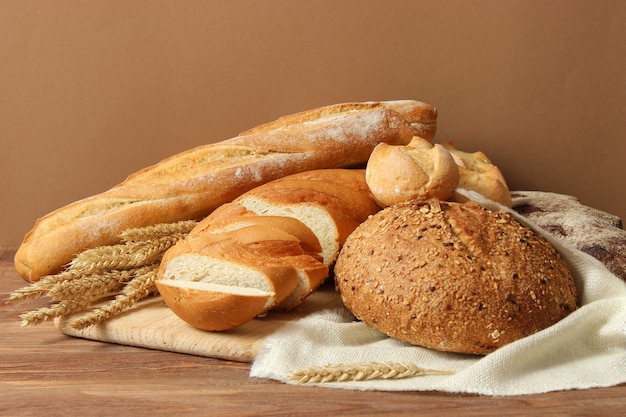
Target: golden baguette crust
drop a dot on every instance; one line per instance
(236, 217)
(421, 117)
(341, 190)
(191, 184)
(453, 277)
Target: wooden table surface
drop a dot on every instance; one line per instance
(46, 373)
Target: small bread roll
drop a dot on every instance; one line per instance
(452, 277)
(418, 170)
(477, 173)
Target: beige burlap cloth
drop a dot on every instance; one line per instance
(587, 349)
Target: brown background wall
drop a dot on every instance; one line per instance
(92, 91)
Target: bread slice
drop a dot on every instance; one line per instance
(345, 191)
(330, 226)
(248, 228)
(332, 203)
(251, 256)
(212, 307)
(231, 217)
(285, 248)
(231, 263)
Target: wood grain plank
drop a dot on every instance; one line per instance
(151, 324)
(44, 372)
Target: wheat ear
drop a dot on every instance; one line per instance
(363, 371)
(123, 256)
(92, 287)
(139, 287)
(61, 308)
(41, 287)
(157, 230)
(127, 270)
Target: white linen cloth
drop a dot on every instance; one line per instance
(586, 349)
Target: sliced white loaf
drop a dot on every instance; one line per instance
(299, 222)
(271, 266)
(248, 228)
(332, 203)
(231, 217)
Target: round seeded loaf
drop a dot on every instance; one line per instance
(452, 277)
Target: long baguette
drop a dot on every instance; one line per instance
(191, 184)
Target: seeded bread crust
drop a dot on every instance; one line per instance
(452, 277)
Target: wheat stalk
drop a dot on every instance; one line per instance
(123, 256)
(92, 287)
(41, 287)
(141, 286)
(158, 230)
(362, 371)
(61, 308)
(126, 270)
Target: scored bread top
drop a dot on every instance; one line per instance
(419, 169)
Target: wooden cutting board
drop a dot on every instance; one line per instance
(151, 324)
